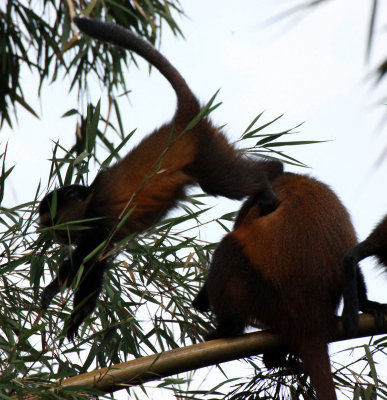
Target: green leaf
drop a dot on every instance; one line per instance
(256, 130)
(205, 111)
(371, 364)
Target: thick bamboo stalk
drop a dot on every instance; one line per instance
(193, 357)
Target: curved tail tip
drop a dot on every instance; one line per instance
(81, 22)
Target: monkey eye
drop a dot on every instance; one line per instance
(72, 194)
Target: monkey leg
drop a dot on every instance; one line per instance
(91, 281)
(275, 358)
(233, 289)
(238, 180)
(221, 171)
(350, 314)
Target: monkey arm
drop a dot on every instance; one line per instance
(350, 315)
(51, 290)
(91, 281)
(355, 290)
(65, 275)
(86, 295)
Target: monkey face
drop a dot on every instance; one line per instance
(62, 209)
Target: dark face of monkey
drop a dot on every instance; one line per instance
(62, 206)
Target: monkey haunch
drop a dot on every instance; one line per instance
(149, 181)
(284, 270)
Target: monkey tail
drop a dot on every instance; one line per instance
(315, 359)
(115, 34)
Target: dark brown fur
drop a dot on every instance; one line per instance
(150, 180)
(284, 270)
(355, 295)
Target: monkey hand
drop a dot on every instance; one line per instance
(212, 335)
(228, 327)
(222, 333)
(378, 310)
(200, 302)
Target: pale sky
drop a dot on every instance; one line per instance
(312, 69)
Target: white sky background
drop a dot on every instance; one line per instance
(313, 71)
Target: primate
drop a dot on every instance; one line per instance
(135, 193)
(374, 245)
(284, 270)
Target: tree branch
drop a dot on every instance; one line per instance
(192, 357)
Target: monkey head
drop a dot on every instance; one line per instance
(61, 207)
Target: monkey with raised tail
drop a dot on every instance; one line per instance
(148, 182)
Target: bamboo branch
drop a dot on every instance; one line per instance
(192, 357)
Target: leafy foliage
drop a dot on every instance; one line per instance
(146, 304)
(43, 30)
(148, 289)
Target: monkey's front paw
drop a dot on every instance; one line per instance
(200, 302)
(378, 310)
(77, 317)
(76, 320)
(212, 335)
(225, 332)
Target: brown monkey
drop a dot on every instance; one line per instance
(284, 269)
(149, 181)
(354, 288)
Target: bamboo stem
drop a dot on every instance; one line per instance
(192, 357)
